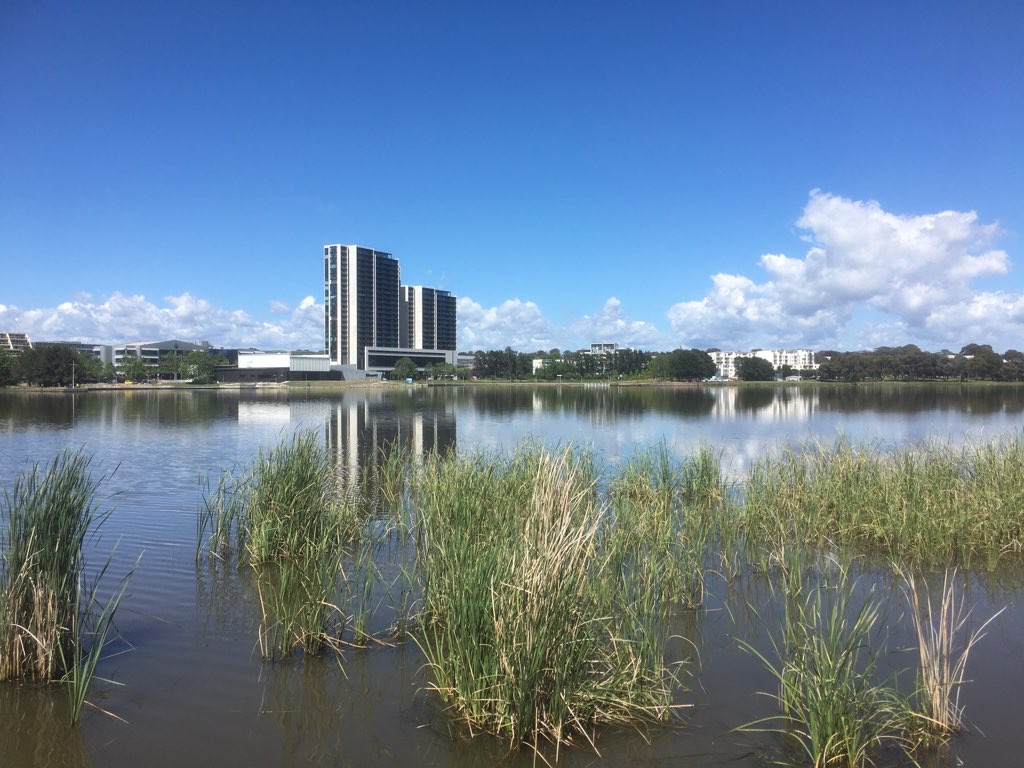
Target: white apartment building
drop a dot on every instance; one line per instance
(797, 359)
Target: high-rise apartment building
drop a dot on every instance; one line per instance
(427, 318)
(360, 302)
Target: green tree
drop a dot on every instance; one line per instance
(682, 365)
(404, 369)
(134, 368)
(199, 366)
(89, 368)
(754, 369)
(171, 366)
(52, 365)
(6, 368)
(983, 362)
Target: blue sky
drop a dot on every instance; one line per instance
(736, 174)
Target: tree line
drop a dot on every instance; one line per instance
(679, 365)
(976, 362)
(61, 365)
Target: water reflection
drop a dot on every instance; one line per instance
(361, 430)
(31, 715)
(196, 690)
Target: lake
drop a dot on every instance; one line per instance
(191, 687)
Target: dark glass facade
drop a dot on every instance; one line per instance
(446, 320)
(360, 290)
(363, 296)
(428, 318)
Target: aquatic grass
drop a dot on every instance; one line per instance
(385, 478)
(665, 516)
(830, 709)
(296, 611)
(519, 625)
(291, 507)
(944, 645)
(286, 505)
(94, 620)
(931, 503)
(47, 515)
(288, 517)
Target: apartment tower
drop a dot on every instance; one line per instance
(360, 302)
(428, 318)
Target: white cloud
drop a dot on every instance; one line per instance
(513, 323)
(522, 325)
(610, 325)
(122, 318)
(917, 270)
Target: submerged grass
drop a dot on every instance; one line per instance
(526, 627)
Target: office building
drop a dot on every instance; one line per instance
(361, 299)
(428, 318)
(14, 343)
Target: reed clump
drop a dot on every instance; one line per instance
(944, 643)
(288, 517)
(831, 710)
(527, 629)
(665, 516)
(47, 516)
(53, 625)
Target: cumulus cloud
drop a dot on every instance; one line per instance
(513, 323)
(121, 318)
(917, 270)
(611, 325)
(523, 325)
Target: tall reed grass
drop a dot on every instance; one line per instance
(287, 516)
(666, 513)
(47, 515)
(526, 627)
(52, 625)
(933, 503)
(831, 710)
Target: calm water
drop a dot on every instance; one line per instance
(193, 689)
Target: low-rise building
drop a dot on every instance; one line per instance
(14, 343)
(797, 359)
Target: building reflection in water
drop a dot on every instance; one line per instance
(360, 430)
